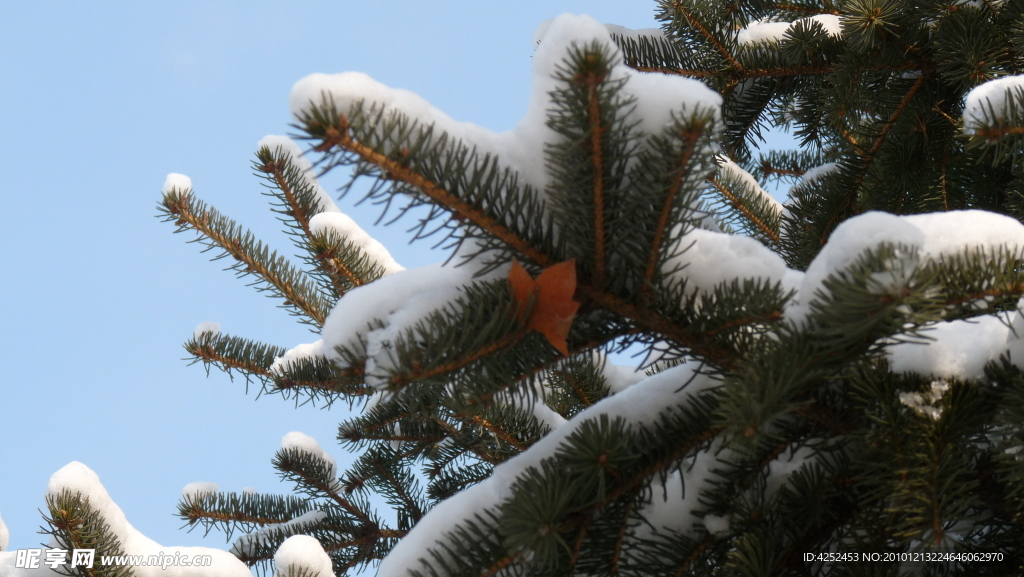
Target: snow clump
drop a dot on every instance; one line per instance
(988, 102)
(302, 551)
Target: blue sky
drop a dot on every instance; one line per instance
(98, 102)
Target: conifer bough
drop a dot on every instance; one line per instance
(833, 385)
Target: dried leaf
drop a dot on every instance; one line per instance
(522, 285)
(554, 309)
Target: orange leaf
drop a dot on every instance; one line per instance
(522, 285)
(554, 309)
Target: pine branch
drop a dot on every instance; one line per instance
(337, 536)
(587, 163)
(710, 38)
(512, 381)
(230, 353)
(479, 449)
(450, 482)
(373, 424)
(846, 207)
(648, 54)
(319, 377)
(699, 550)
(497, 431)
(787, 165)
(661, 55)
(593, 79)
(299, 202)
(313, 476)
(384, 469)
(76, 524)
(229, 512)
(273, 272)
(813, 7)
(348, 266)
(466, 553)
(754, 211)
(690, 138)
(576, 386)
(421, 374)
(298, 205)
(620, 540)
(316, 377)
(333, 129)
(736, 203)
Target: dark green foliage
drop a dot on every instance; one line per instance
(337, 263)
(448, 171)
(785, 437)
(76, 524)
(230, 512)
(274, 274)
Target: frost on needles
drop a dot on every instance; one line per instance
(839, 373)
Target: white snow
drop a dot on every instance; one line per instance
(177, 181)
(947, 233)
(674, 503)
(412, 295)
(535, 404)
(246, 543)
(307, 444)
(714, 257)
(980, 3)
(344, 226)
(198, 488)
(543, 27)
(830, 22)
(206, 327)
(76, 477)
(620, 377)
(845, 246)
(303, 551)
(331, 218)
(717, 525)
(399, 300)
(817, 172)
(638, 405)
(660, 97)
(929, 403)
(546, 415)
(780, 469)
(987, 102)
(522, 149)
(959, 349)
(348, 88)
(300, 352)
(934, 235)
(289, 147)
(762, 32)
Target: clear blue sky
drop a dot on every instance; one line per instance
(98, 102)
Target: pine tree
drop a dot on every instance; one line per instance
(828, 383)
